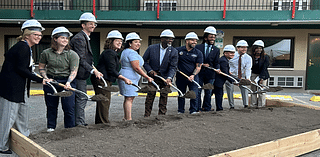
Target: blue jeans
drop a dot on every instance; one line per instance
(182, 84)
(52, 103)
(206, 105)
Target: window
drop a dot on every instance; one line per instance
(286, 81)
(288, 4)
(279, 49)
(48, 5)
(164, 5)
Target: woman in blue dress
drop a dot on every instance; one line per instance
(131, 63)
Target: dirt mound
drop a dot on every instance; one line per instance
(202, 134)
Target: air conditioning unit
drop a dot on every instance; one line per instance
(164, 5)
(43, 5)
(288, 4)
(285, 81)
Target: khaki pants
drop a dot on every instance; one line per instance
(102, 108)
(257, 100)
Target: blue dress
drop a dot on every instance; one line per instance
(127, 56)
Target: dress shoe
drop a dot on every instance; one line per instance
(245, 106)
(6, 151)
(231, 108)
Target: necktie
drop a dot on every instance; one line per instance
(239, 67)
(207, 51)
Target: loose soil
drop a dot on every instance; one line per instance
(195, 135)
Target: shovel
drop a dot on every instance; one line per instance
(189, 94)
(206, 86)
(55, 93)
(241, 82)
(98, 97)
(105, 87)
(60, 94)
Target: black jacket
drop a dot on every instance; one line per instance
(81, 45)
(16, 73)
(212, 60)
(263, 67)
(109, 65)
(224, 67)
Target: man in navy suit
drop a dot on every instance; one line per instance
(228, 53)
(160, 59)
(81, 45)
(211, 55)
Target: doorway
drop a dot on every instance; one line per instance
(313, 63)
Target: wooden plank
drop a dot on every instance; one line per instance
(289, 146)
(279, 103)
(23, 146)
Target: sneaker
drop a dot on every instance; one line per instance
(180, 113)
(6, 151)
(194, 113)
(50, 130)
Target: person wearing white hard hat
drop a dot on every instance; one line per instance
(228, 53)
(160, 59)
(259, 73)
(15, 77)
(109, 66)
(240, 67)
(131, 63)
(211, 56)
(189, 62)
(63, 69)
(80, 43)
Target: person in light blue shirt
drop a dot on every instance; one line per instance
(131, 63)
(245, 72)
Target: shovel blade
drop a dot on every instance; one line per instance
(190, 94)
(63, 94)
(111, 89)
(208, 86)
(99, 97)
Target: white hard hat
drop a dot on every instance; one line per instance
(167, 33)
(229, 48)
(88, 17)
(61, 30)
(259, 43)
(132, 36)
(211, 30)
(114, 34)
(191, 35)
(242, 43)
(32, 25)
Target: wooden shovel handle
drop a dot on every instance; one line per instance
(183, 74)
(62, 85)
(162, 79)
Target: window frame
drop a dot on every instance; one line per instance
(251, 39)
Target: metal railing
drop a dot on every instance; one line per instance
(164, 5)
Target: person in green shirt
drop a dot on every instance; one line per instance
(59, 63)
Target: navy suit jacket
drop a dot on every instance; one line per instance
(81, 45)
(224, 67)
(169, 63)
(211, 59)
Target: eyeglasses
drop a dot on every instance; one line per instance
(169, 39)
(38, 35)
(92, 24)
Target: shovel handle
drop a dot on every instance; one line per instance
(62, 85)
(164, 80)
(188, 78)
(222, 73)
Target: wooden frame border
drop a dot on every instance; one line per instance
(25, 147)
(290, 146)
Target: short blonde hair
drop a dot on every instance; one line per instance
(26, 32)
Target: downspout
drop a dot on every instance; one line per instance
(158, 10)
(94, 8)
(31, 9)
(294, 9)
(224, 9)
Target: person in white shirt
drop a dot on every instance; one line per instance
(242, 72)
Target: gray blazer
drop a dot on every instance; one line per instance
(81, 45)
(169, 63)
